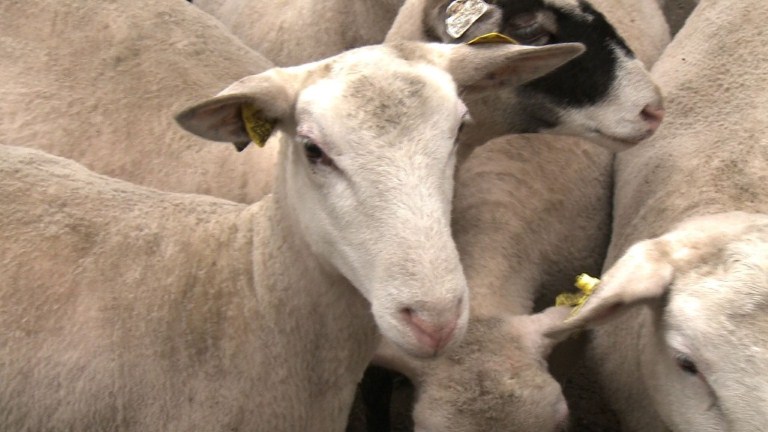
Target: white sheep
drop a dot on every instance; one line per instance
(688, 260)
(677, 12)
(127, 308)
(530, 212)
(299, 31)
(113, 75)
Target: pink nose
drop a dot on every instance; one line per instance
(653, 115)
(433, 334)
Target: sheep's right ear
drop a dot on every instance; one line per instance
(644, 273)
(246, 111)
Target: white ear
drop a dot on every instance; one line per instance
(539, 330)
(490, 65)
(389, 356)
(642, 274)
(245, 111)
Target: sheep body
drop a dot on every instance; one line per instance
(296, 32)
(113, 75)
(689, 241)
(134, 324)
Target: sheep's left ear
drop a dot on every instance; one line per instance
(489, 65)
(644, 273)
(245, 112)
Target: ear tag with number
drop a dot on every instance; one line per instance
(462, 14)
(258, 129)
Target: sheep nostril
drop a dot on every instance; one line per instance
(653, 116)
(435, 335)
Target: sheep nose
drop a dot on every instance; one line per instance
(652, 115)
(433, 330)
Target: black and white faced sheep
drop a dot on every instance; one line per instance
(605, 95)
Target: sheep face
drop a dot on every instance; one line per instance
(700, 347)
(368, 142)
(606, 95)
(370, 175)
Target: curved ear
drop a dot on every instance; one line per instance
(387, 355)
(538, 330)
(489, 65)
(642, 274)
(244, 112)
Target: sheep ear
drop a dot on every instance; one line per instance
(643, 274)
(539, 330)
(489, 65)
(245, 112)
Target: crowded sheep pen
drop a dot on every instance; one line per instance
(370, 216)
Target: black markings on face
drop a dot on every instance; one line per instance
(587, 79)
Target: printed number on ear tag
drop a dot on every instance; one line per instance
(462, 14)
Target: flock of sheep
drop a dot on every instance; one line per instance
(415, 205)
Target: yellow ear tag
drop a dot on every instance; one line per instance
(258, 129)
(584, 282)
(493, 38)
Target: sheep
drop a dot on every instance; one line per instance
(127, 308)
(530, 212)
(113, 75)
(677, 12)
(300, 31)
(605, 95)
(683, 348)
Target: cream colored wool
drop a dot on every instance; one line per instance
(299, 31)
(680, 190)
(99, 82)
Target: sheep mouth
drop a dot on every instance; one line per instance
(625, 140)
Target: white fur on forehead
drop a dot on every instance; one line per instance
(374, 89)
(722, 314)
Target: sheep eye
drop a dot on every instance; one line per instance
(687, 365)
(529, 30)
(313, 152)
